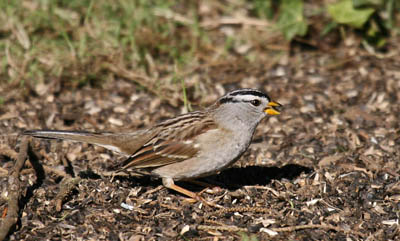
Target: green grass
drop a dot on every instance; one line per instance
(69, 40)
(73, 41)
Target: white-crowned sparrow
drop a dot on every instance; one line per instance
(188, 146)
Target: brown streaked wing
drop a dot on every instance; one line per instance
(131, 142)
(172, 147)
(150, 157)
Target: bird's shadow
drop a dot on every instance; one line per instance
(232, 178)
(235, 178)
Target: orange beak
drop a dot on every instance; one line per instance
(271, 108)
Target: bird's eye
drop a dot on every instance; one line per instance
(255, 102)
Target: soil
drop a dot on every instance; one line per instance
(327, 168)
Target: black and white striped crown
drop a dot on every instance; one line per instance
(243, 95)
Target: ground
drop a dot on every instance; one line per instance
(327, 168)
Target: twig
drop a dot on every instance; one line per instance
(14, 191)
(318, 226)
(284, 229)
(7, 151)
(47, 169)
(239, 209)
(221, 228)
(214, 222)
(66, 186)
(152, 191)
(56, 171)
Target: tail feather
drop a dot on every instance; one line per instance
(127, 143)
(79, 136)
(65, 135)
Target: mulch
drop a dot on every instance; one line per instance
(327, 168)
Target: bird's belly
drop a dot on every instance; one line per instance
(215, 159)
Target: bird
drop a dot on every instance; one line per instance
(188, 146)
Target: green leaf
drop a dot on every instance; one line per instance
(343, 12)
(291, 20)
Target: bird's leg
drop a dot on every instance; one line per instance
(169, 183)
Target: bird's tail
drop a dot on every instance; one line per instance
(79, 136)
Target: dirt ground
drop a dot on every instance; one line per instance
(327, 168)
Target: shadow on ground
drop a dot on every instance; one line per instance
(233, 178)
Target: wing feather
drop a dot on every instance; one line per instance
(176, 143)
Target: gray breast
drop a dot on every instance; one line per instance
(219, 148)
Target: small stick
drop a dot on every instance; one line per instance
(221, 228)
(14, 191)
(318, 226)
(284, 229)
(66, 186)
